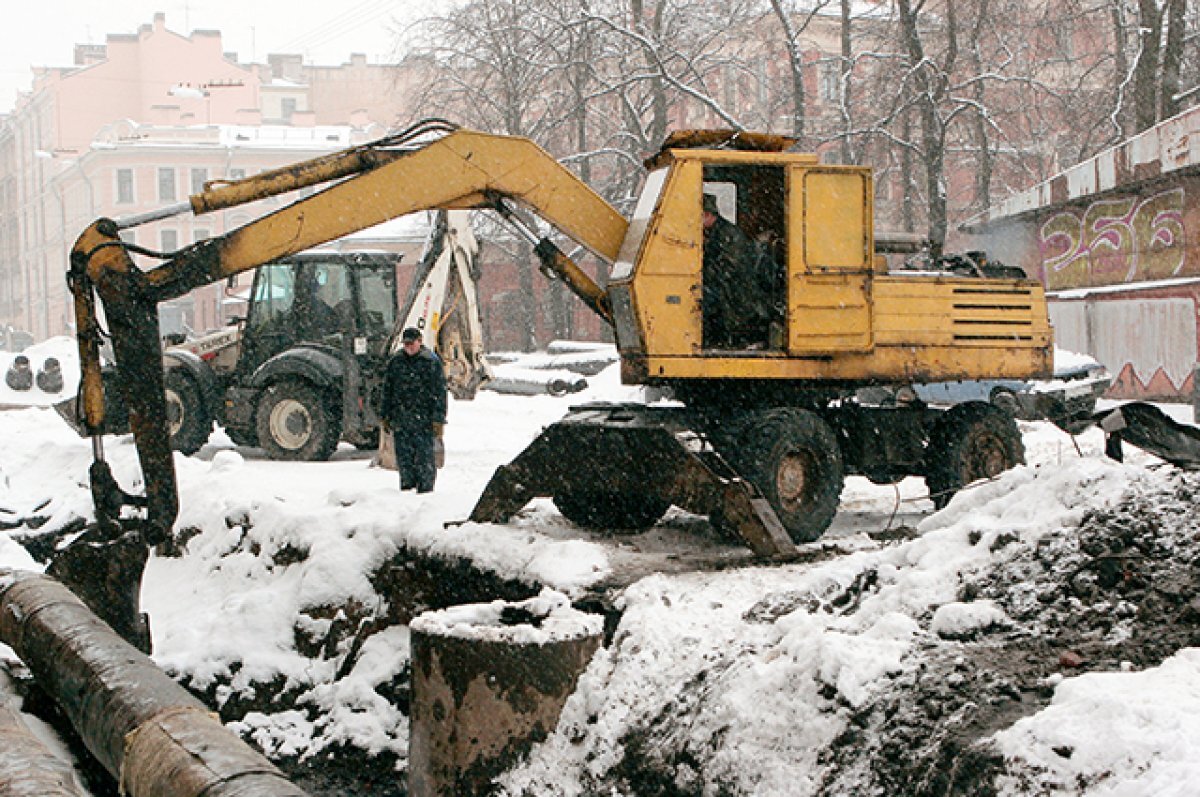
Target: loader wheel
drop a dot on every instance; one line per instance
(616, 512)
(972, 441)
(295, 422)
(189, 423)
(793, 458)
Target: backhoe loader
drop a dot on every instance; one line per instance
(761, 436)
(303, 368)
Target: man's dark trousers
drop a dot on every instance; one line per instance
(414, 458)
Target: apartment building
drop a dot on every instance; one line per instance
(144, 120)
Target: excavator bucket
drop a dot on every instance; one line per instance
(621, 466)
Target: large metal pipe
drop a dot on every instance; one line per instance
(489, 680)
(27, 766)
(145, 729)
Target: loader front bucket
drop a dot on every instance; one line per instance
(621, 466)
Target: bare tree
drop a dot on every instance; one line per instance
(794, 19)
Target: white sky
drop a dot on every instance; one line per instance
(325, 33)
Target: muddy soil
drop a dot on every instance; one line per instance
(1120, 592)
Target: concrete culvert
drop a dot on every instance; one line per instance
(19, 375)
(50, 377)
(490, 680)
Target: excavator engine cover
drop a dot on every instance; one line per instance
(621, 466)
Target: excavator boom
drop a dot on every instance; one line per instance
(397, 176)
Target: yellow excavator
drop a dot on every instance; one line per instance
(764, 429)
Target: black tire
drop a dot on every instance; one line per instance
(1006, 400)
(295, 421)
(972, 441)
(614, 512)
(242, 438)
(188, 420)
(793, 458)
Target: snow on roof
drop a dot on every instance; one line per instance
(277, 136)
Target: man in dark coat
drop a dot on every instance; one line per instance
(734, 291)
(414, 407)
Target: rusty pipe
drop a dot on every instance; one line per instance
(145, 729)
(27, 766)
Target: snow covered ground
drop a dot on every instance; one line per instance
(733, 682)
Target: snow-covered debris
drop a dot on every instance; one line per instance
(62, 350)
(1110, 733)
(964, 620)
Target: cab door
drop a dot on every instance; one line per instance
(271, 321)
(831, 260)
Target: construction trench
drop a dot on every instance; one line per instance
(144, 735)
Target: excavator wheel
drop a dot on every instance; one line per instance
(296, 422)
(972, 441)
(793, 458)
(189, 422)
(613, 512)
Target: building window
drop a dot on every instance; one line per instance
(199, 178)
(125, 186)
(166, 185)
(237, 174)
(287, 107)
(168, 240)
(200, 234)
(829, 81)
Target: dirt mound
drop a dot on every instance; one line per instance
(1117, 594)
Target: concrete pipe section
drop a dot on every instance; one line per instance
(489, 680)
(145, 729)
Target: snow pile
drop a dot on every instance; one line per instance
(964, 620)
(541, 620)
(1112, 733)
(738, 683)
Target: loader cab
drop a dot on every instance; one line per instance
(334, 300)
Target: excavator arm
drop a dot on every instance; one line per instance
(431, 166)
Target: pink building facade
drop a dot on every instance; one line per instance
(143, 121)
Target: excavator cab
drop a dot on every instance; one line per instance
(743, 292)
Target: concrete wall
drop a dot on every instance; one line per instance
(1146, 336)
(1116, 241)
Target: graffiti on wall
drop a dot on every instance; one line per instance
(1115, 241)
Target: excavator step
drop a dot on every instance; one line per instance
(625, 460)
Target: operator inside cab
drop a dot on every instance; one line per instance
(742, 297)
